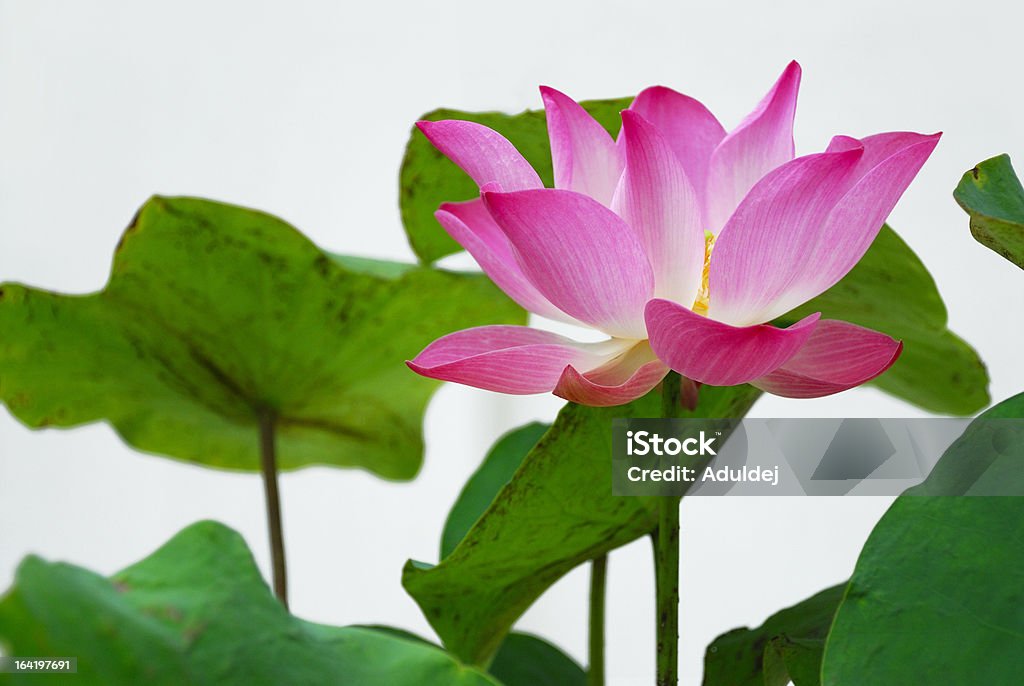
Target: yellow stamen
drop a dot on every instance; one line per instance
(700, 305)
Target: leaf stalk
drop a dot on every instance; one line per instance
(268, 468)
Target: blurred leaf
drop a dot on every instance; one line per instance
(197, 612)
(527, 660)
(396, 632)
(522, 660)
(428, 178)
(937, 593)
(793, 661)
(786, 647)
(494, 473)
(992, 195)
(557, 512)
(215, 314)
(891, 291)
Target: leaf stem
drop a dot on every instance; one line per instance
(268, 468)
(666, 558)
(667, 581)
(598, 581)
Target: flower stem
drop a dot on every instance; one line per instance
(666, 558)
(268, 467)
(598, 579)
(667, 581)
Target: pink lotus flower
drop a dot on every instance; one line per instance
(679, 241)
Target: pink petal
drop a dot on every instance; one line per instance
(836, 357)
(617, 382)
(842, 144)
(765, 245)
(718, 354)
(882, 146)
(762, 142)
(483, 153)
(585, 157)
(580, 255)
(472, 227)
(656, 199)
(889, 163)
(822, 248)
(507, 359)
(690, 129)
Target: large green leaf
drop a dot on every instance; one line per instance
(891, 291)
(428, 178)
(215, 315)
(987, 459)
(527, 660)
(787, 647)
(522, 660)
(501, 462)
(993, 196)
(197, 612)
(557, 512)
(910, 599)
(937, 596)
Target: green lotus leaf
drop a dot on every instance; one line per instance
(216, 316)
(787, 647)
(992, 195)
(937, 593)
(556, 512)
(197, 612)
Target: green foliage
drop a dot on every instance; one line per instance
(428, 178)
(527, 660)
(987, 459)
(197, 612)
(935, 597)
(557, 513)
(501, 462)
(522, 659)
(937, 593)
(993, 196)
(215, 315)
(787, 647)
(891, 291)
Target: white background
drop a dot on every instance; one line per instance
(302, 109)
